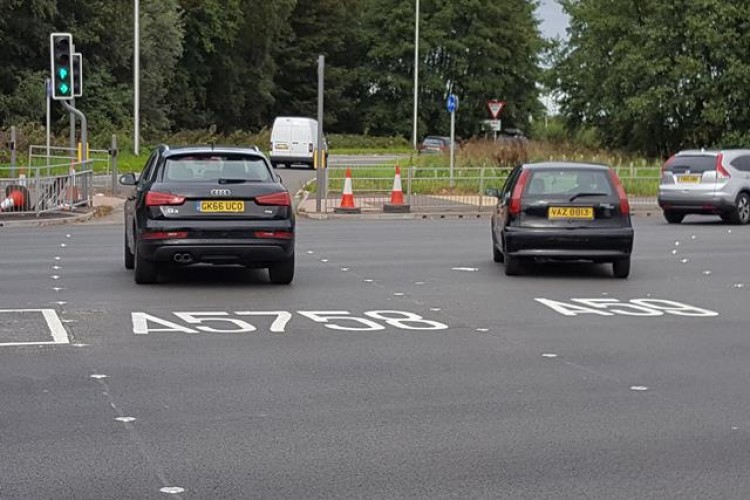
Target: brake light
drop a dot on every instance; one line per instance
(157, 199)
(667, 163)
(515, 198)
(164, 235)
(279, 199)
(624, 203)
(721, 172)
(276, 235)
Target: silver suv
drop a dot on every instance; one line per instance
(706, 182)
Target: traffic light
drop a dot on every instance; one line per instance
(61, 59)
(77, 75)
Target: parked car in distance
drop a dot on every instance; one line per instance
(434, 144)
(294, 141)
(562, 211)
(708, 183)
(208, 205)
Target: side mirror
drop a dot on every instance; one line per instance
(128, 179)
(492, 192)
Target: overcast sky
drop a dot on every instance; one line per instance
(553, 19)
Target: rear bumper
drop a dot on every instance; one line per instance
(291, 159)
(258, 253)
(696, 202)
(593, 244)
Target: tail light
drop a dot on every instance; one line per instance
(281, 198)
(721, 172)
(624, 204)
(274, 235)
(157, 199)
(164, 235)
(667, 164)
(515, 198)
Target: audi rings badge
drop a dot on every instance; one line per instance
(221, 192)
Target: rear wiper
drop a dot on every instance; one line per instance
(582, 195)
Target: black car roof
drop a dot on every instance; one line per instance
(203, 149)
(564, 165)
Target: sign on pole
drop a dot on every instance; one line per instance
(452, 106)
(495, 107)
(452, 103)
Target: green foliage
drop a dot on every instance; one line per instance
(657, 76)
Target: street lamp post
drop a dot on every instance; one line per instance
(136, 77)
(416, 74)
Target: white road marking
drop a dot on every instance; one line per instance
(59, 303)
(685, 261)
(324, 260)
(674, 252)
(55, 277)
(435, 309)
(125, 419)
(729, 231)
(56, 328)
(57, 288)
(172, 490)
(676, 243)
(57, 257)
(56, 267)
(67, 236)
(483, 329)
(638, 388)
(310, 252)
(63, 245)
(465, 269)
(707, 273)
(80, 345)
(419, 283)
(692, 237)
(368, 280)
(398, 294)
(739, 285)
(549, 355)
(344, 269)
(98, 376)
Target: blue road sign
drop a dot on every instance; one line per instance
(452, 103)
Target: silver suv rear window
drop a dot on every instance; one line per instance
(697, 164)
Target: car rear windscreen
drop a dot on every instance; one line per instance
(697, 164)
(215, 167)
(568, 182)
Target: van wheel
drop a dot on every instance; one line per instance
(673, 217)
(621, 268)
(282, 273)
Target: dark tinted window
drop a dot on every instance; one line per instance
(697, 164)
(567, 182)
(433, 142)
(742, 163)
(208, 168)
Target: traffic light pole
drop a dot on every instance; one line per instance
(72, 134)
(84, 129)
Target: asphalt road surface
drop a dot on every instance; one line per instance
(401, 363)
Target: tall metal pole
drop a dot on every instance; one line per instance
(416, 75)
(84, 129)
(72, 134)
(136, 77)
(48, 126)
(453, 143)
(320, 176)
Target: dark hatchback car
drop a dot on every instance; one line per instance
(434, 144)
(562, 211)
(208, 205)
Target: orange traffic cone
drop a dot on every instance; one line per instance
(15, 201)
(397, 204)
(347, 198)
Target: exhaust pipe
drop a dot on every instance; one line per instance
(183, 258)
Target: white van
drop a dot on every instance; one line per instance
(293, 141)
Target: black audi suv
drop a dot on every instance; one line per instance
(208, 205)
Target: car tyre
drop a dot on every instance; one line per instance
(741, 212)
(145, 271)
(621, 268)
(497, 255)
(513, 266)
(129, 257)
(673, 217)
(282, 273)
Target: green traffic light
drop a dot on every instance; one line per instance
(63, 72)
(64, 88)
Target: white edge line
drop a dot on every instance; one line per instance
(59, 334)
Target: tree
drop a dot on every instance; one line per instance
(656, 76)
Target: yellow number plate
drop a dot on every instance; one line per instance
(689, 179)
(222, 206)
(571, 213)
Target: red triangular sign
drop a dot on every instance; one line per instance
(495, 107)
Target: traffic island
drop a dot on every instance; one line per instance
(399, 208)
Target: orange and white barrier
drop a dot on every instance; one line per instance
(15, 201)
